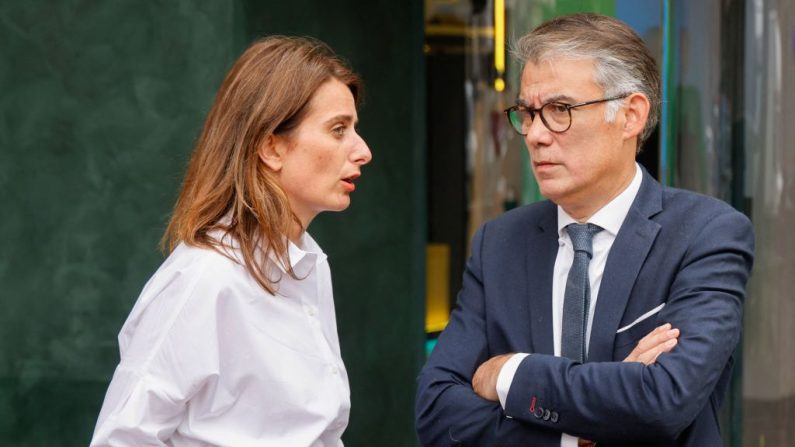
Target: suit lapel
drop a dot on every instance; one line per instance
(627, 255)
(542, 248)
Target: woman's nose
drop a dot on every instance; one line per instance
(361, 154)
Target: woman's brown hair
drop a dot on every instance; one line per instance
(227, 187)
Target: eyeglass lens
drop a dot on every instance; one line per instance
(555, 116)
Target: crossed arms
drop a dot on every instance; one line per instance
(604, 401)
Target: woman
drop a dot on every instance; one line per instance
(233, 341)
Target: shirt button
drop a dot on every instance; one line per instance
(335, 370)
(311, 311)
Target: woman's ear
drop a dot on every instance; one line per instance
(271, 152)
(635, 114)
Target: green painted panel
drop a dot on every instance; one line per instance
(101, 104)
(562, 7)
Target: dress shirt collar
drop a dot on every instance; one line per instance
(611, 216)
(302, 256)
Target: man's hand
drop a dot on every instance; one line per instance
(484, 382)
(661, 340)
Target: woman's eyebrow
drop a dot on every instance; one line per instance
(342, 117)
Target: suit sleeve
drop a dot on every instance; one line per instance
(657, 401)
(448, 412)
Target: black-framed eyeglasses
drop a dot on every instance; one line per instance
(556, 116)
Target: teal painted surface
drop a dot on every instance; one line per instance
(429, 345)
(101, 104)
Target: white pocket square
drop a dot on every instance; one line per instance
(641, 318)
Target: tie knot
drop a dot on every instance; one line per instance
(582, 236)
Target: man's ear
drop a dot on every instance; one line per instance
(636, 113)
(272, 151)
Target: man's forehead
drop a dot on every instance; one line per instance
(551, 79)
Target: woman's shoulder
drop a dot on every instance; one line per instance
(197, 266)
(189, 280)
(186, 257)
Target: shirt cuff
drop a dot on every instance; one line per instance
(505, 378)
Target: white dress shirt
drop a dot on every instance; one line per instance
(209, 358)
(609, 217)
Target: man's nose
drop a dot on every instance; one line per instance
(537, 133)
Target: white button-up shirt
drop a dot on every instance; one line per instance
(610, 217)
(209, 358)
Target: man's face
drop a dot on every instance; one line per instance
(586, 166)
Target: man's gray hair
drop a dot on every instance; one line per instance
(622, 62)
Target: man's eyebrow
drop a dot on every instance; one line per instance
(559, 98)
(553, 98)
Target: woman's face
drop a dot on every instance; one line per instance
(317, 162)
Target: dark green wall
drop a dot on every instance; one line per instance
(100, 103)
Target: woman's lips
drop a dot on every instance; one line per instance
(347, 183)
(348, 186)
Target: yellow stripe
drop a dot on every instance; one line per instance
(499, 36)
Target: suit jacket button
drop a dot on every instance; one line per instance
(547, 414)
(554, 417)
(539, 413)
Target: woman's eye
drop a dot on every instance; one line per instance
(338, 131)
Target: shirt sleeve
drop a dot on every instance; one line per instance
(169, 346)
(139, 410)
(505, 378)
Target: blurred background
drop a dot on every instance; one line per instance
(102, 101)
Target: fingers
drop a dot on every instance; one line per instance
(650, 356)
(484, 381)
(661, 340)
(658, 336)
(477, 380)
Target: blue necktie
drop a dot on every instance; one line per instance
(577, 298)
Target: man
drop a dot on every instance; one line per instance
(557, 293)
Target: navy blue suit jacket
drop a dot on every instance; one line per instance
(691, 252)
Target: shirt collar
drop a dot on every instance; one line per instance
(611, 216)
(303, 256)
